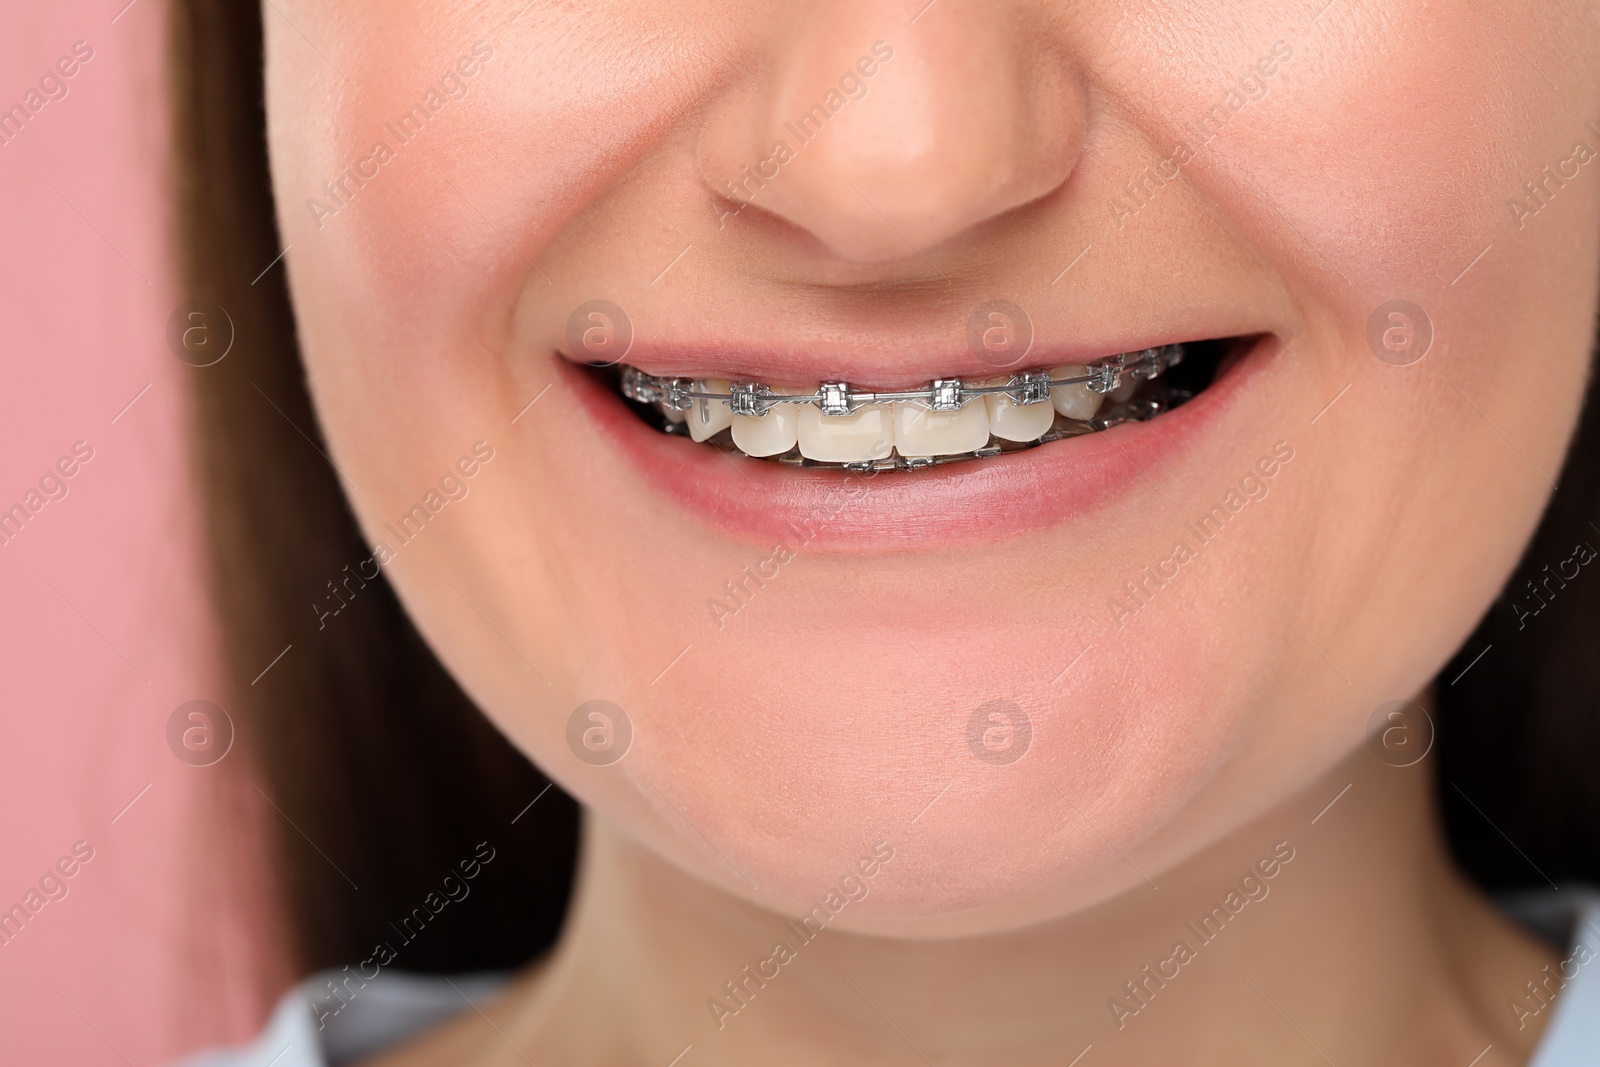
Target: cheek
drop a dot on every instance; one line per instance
(407, 290)
(1383, 165)
(1382, 158)
(569, 99)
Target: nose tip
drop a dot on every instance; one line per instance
(884, 148)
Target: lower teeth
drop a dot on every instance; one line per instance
(947, 421)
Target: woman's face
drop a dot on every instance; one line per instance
(1009, 668)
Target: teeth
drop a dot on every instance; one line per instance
(1125, 388)
(709, 417)
(771, 434)
(920, 432)
(1074, 401)
(1011, 421)
(854, 438)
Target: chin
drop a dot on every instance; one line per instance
(1003, 804)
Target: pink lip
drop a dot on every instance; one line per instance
(983, 500)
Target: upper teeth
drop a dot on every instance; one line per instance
(836, 423)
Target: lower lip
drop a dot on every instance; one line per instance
(985, 499)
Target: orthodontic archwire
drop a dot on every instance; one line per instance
(840, 399)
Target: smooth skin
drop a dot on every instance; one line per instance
(586, 157)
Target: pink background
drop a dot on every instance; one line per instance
(147, 956)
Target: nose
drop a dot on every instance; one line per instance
(883, 137)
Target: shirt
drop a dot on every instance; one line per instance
(386, 1010)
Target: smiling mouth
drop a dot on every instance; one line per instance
(839, 426)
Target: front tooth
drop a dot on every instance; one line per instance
(1011, 421)
(709, 417)
(771, 434)
(920, 432)
(864, 435)
(1074, 401)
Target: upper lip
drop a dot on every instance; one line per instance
(898, 363)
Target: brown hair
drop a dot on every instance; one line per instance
(387, 776)
(1519, 705)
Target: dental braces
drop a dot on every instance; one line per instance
(1104, 376)
(840, 399)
